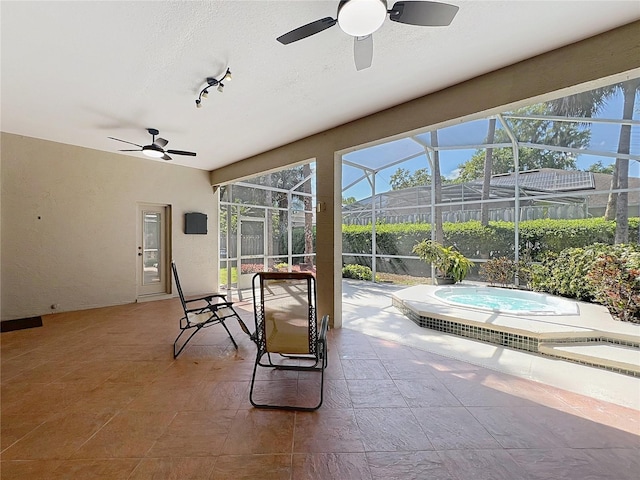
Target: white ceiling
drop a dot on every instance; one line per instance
(78, 72)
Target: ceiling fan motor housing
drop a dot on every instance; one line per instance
(360, 18)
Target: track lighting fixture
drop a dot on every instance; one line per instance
(213, 82)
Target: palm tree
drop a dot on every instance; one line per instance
(588, 104)
(486, 178)
(437, 186)
(629, 89)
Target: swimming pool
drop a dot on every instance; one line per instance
(504, 300)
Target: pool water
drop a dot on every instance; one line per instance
(499, 302)
(506, 300)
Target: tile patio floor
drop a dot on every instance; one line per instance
(96, 394)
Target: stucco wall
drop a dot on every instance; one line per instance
(69, 225)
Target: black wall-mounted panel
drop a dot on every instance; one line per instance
(195, 223)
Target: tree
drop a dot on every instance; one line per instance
(486, 175)
(629, 89)
(402, 178)
(348, 200)
(437, 187)
(587, 104)
(277, 220)
(308, 214)
(598, 167)
(539, 132)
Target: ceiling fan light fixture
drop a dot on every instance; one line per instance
(360, 18)
(152, 151)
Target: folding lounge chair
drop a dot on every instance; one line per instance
(201, 313)
(287, 325)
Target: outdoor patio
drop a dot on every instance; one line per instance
(97, 394)
(368, 308)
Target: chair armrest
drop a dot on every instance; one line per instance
(218, 295)
(209, 306)
(199, 299)
(209, 299)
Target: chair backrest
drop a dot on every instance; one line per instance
(285, 312)
(174, 269)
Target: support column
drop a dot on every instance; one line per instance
(329, 236)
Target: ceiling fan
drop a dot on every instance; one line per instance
(156, 148)
(360, 18)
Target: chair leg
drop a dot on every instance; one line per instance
(288, 407)
(230, 336)
(243, 326)
(175, 354)
(253, 380)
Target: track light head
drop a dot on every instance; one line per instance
(213, 82)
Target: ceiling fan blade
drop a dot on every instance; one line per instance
(363, 51)
(181, 152)
(307, 30)
(166, 157)
(130, 143)
(161, 142)
(138, 150)
(426, 14)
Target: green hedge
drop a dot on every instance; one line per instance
(359, 272)
(605, 274)
(495, 240)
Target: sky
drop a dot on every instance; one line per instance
(604, 137)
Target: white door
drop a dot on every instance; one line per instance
(152, 250)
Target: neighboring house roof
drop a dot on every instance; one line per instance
(549, 179)
(532, 183)
(556, 180)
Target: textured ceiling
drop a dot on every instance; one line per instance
(79, 72)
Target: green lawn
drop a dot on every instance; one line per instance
(223, 275)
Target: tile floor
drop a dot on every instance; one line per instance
(97, 395)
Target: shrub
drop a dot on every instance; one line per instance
(499, 271)
(616, 282)
(605, 274)
(494, 241)
(449, 262)
(357, 272)
(566, 273)
(251, 268)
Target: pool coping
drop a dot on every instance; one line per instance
(534, 334)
